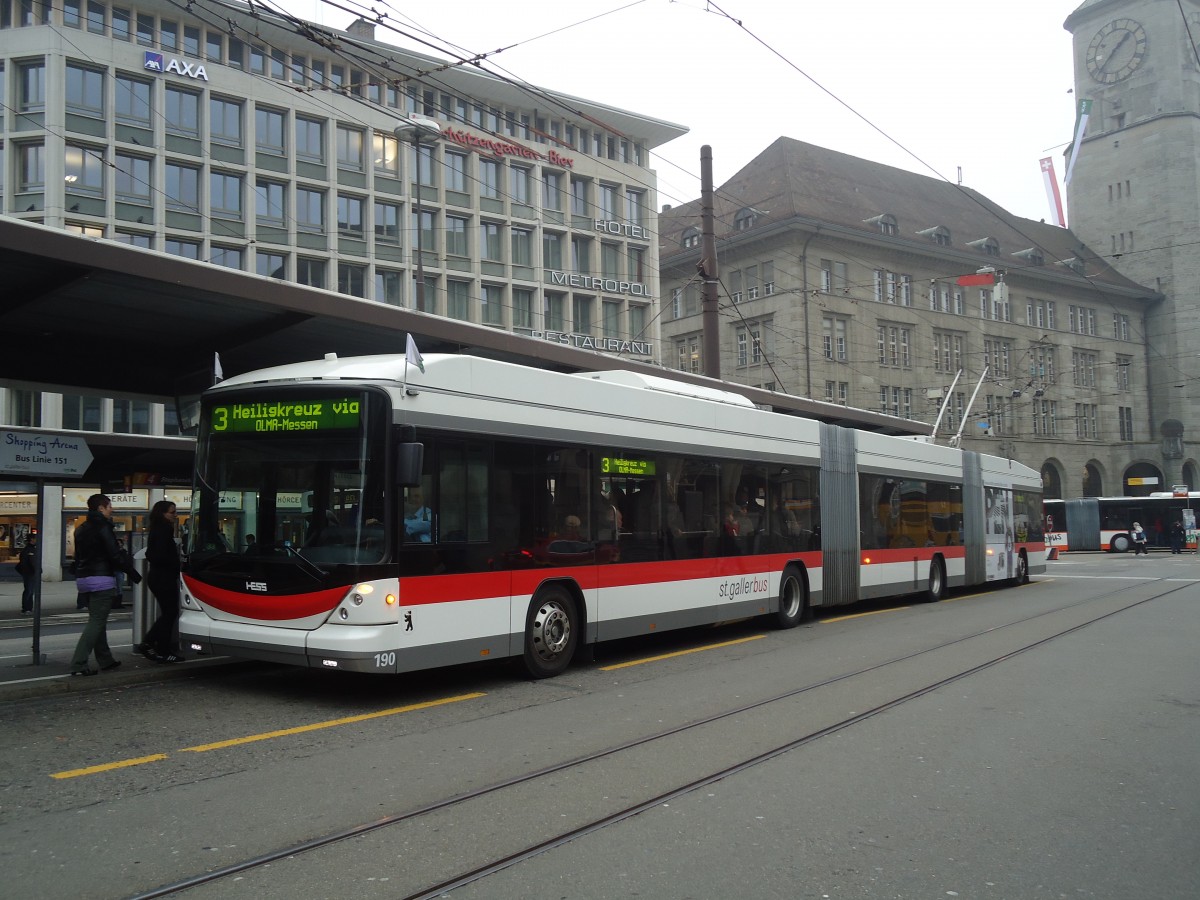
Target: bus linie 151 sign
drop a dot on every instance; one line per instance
(280, 418)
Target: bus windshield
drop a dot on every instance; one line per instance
(291, 475)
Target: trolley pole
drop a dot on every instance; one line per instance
(708, 269)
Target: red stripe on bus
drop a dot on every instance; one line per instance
(267, 607)
(908, 554)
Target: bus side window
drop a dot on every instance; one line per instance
(462, 499)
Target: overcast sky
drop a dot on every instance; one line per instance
(931, 86)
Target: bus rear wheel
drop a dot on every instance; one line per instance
(793, 599)
(936, 588)
(1022, 574)
(551, 632)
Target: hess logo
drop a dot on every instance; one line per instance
(256, 586)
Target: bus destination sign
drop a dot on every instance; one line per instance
(282, 417)
(621, 465)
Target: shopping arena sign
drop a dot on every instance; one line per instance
(156, 62)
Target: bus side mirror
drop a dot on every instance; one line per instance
(410, 461)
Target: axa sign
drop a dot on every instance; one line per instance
(156, 62)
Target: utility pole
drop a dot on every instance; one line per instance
(708, 269)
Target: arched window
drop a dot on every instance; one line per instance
(691, 238)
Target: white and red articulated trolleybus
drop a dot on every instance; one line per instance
(407, 519)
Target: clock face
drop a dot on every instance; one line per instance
(1116, 51)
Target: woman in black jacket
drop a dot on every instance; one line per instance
(97, 560)
(163, 556)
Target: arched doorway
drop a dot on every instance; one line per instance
(1051, 482)
(1142, 479)
(1189, 475)
(1093, 481)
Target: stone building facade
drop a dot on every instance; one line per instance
(841, 280)
(1134, 193)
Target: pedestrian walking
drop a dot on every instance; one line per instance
(1139, 540)
(163, 580)
(97, 560)
(28, 567)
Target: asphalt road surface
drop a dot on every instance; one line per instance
(1037, 742)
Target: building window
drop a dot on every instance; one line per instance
(552, 191)
(1041, 364)
(352, 279)
(349, 148)
(947, 352)
(491, 303)
(225, 195)
(833, 338)
(310, 212)
(521, 242)
(32, 80)
(270, 201)
(387, 222)
(269, 131)
(183, 112)
(310, 140)
(691, 238)
(32, 167)
(85, 91)
(492, 247)
(180, 247)
(998, 412)
(1083, 369)
(1041, 314)
(582, 314)
(135, 239)
(385, 151)
(84, 169)
(82, 412)
(350, 219)
(270, 265)
(895, 346)
(610, 318)
(998, 356)
(1123, 364)
(552, 251)
(489, 179)
(522, 308)
(131, 100)
(225, 126)
(133, 178)
(518, 185)
(456, 236)
(25, 408)
(579, 197)
(229, 257)
(553, 312)
(456, 172)
(310, 271)
(183, 187)
(458, 300)
(387, 287)
(1125, 420)
(1120, 326)
(1045, 418)
(1085, 421)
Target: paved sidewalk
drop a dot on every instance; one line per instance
(20, 678)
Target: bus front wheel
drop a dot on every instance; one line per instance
(551, 632)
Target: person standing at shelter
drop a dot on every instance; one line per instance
(163, 555)
(1139, 540)
(97, 560)
(1178, 537)
(28, 567)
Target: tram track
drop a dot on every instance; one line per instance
(472, 873)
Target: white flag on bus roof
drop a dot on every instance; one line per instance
(413, 355)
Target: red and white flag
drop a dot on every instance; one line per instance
(1053, 196)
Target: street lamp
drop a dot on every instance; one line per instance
(412, 129)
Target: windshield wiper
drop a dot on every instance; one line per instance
(311, 567)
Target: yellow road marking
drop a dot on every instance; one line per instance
(650, 659)
(332, 723)
(283, 732)
(873, 612)
(107, 767)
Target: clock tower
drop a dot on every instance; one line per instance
(1134, 198)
